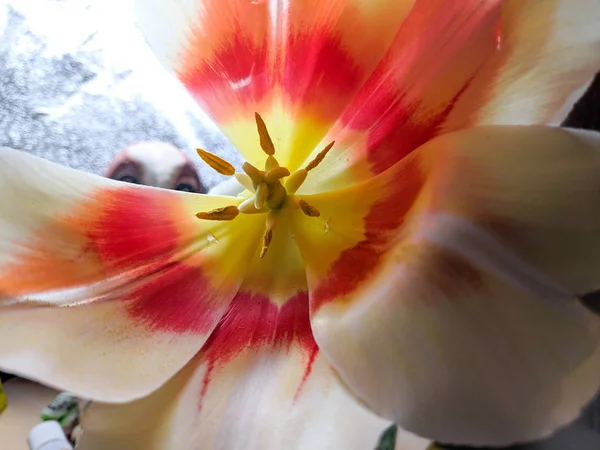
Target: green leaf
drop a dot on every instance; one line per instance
(387, 440)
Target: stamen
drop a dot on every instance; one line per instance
(248, 207)
(270, 195)
(216, 162)
(244, 180)
(309, 210)
(267, 237)
(257, 176)
(225, 213)
(276, 174)
(293, 183)
(262, 192)
(271, 163)
(265, 140)
(315, 162)
(272, 219)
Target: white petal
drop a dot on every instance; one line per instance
(97, 293)
(470, 330)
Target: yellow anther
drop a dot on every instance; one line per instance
(262, 192)
(216, 162)
(276, 174)
(244, 180)
(257, 176)
(248, 207)
(309, 210)
(225, 213)
(265, 140)
(272, 218)
(320, 156)
(271, 163)
(270, 195)
(267, 237)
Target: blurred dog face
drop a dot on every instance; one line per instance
(156, 164)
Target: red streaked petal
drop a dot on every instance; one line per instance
(357, 225)
(259, 383)
(455, 65)
(251, 406)
(297, 63)
(430, 64)
(473, 306)
(118, 275)
(405, 102)
(253, 321)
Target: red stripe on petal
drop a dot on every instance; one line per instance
(405, 128)
(136, 230)
(355, 265)
(253, 323)
(312, 356)
(318, 71)
(237, 74)
(115, 230)
(225, 63)
(129, 237)
(134, 227)
(179, 299)
(439, 50)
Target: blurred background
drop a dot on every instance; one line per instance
(78, 84)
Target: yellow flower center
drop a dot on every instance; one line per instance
(273, 189)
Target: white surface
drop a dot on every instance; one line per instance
(48, 436)
(79, 83)
(25, 403)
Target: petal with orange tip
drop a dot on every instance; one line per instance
(297, 63)
(107, 289)
(471, 315)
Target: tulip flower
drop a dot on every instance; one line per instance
(408, 245)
